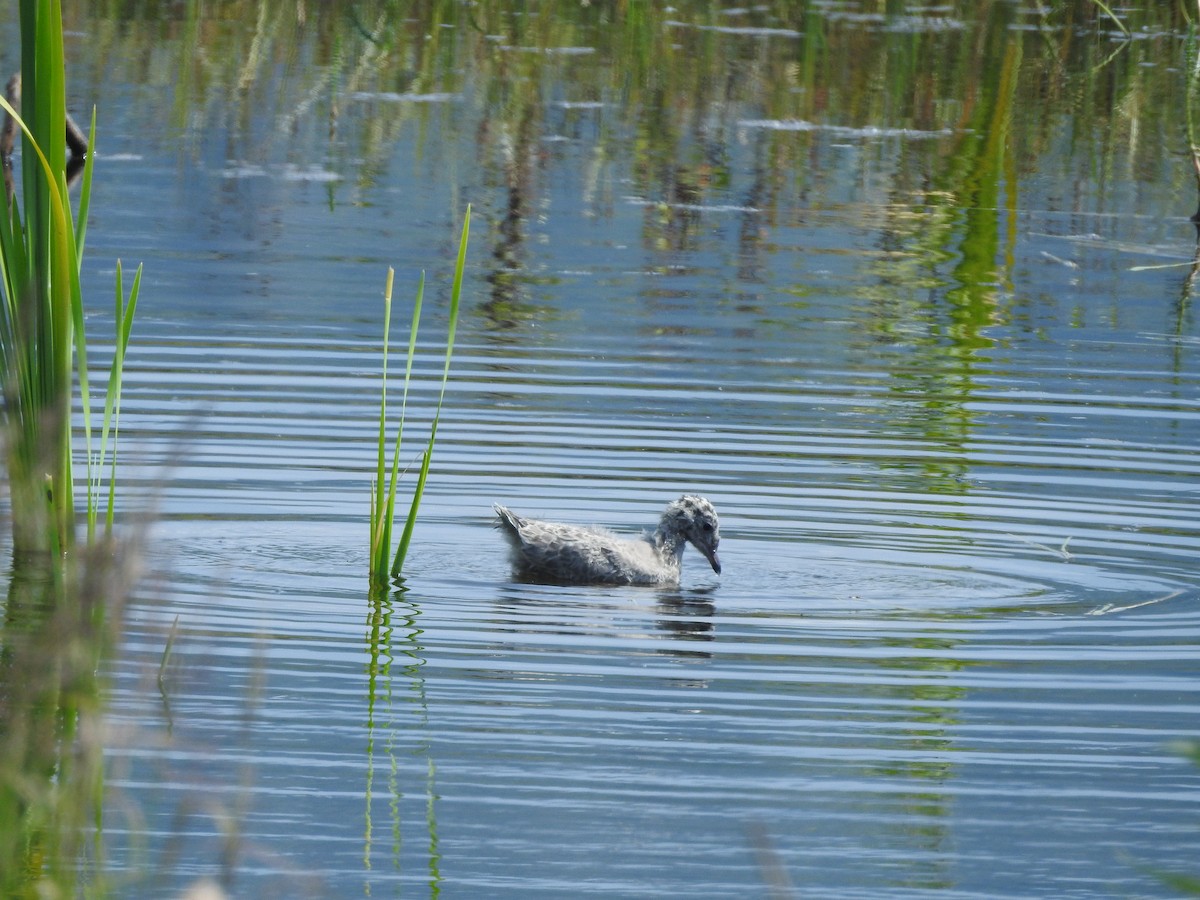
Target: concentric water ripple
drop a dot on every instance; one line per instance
(926, 626)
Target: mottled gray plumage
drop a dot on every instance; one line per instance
(571, 554)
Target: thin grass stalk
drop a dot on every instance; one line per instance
(427, 457)
(384, 496)
(380, 518)
(165, 660)
(85, 193)
(1112, 15)
(383, 500)
(123, 317)
(408, 366)
(78, 235)
(418, 303)
(13, 275)
(394, 482)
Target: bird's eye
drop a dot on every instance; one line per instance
(707, 526)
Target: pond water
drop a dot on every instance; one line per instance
(910, 325)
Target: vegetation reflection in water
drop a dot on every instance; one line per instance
(942, 102)
(396, 703)
(939, 103)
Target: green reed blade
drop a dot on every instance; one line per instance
(42, 336)
(380, 521)
(166, 654)
(383, 503)
(418, 303)
(52, 291)
(1112, 15)
(13, 266)
(85, 192)
(427, 456)
(124, 311)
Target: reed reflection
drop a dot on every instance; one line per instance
(61, 619)
(397, 731)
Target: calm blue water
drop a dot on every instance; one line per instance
(957, 632)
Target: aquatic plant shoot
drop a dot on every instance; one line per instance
(384, 564)
(42, 338)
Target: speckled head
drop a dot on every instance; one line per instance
(694, 519)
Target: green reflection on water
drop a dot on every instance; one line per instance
(60, 620)
(393, 633)
(948, 109)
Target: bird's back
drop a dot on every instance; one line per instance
(571, 554)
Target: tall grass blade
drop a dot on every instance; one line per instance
(427, 457)
(394, 480)
(44, 310)
(380, 517)
(383, 501)
(85, 193)
(387, 480)
(383, 493)
(1112, 15)
(123, 317)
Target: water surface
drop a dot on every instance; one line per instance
(903, 337)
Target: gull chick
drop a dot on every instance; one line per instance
(571, 554)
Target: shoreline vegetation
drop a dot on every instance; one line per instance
(65, 599)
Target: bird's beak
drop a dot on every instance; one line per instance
(710, 553)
